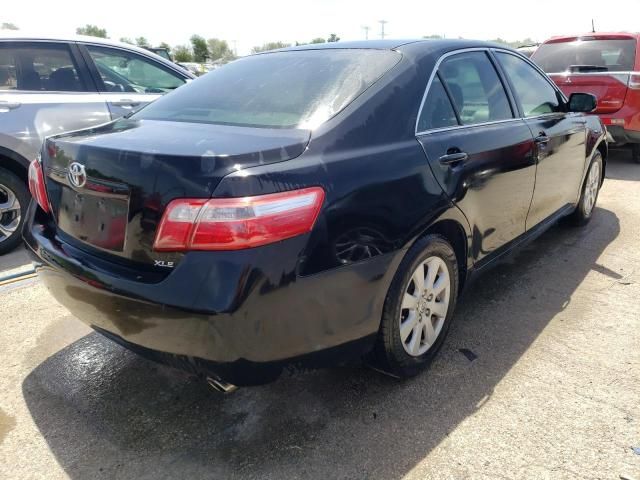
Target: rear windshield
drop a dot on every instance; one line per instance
(294, 89)
(587, 56)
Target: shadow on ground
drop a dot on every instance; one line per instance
(620, 165)
(107, 413)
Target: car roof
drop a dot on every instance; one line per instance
(19, 36)
(392, 44)
(594, 36)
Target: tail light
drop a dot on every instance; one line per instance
(237, 223)
(634, 81)
(37, 186)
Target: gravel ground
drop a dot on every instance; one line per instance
(548, 386)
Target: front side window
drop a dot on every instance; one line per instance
(291, 89)
(475, 88)
(40, 68)
(535, 93)
(437, 111)
(123, 71)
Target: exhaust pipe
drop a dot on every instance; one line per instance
(220, 385)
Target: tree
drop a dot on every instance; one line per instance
(219, 49)
(8, 26)
(269, 46)
(433, 37)
(92, 31)
(166, 46)
(318, 40)
(199, 48)
(333, 38)
(127, 40)
(182, 53)
(142, 42)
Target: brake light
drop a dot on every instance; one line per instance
(37, 186)
(237, 223)
(634, 81)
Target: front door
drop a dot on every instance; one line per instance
(481, 154)
(560, 138)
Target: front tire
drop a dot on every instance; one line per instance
(14, 200)
(418, 308)
(589, 193)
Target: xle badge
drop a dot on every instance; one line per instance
(162, 263)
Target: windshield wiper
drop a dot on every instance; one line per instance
(587, 68)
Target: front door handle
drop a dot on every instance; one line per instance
(452, 158)
(541, 139)
(5, 106)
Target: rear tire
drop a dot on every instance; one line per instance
(14, 200)
(418, 308)
(589, 193)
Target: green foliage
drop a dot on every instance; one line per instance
(8, 26)
(514, 44)
(182, 53)
(166, 46)
(269, 46)
(142, 42)
(333, 38)
(219, 50)
(199, 48)
(92, 31)
(127, 40)
(433, 37)
(318, 40)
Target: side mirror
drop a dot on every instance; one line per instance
(582, 102)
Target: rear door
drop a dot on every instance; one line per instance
(600, 65)
(481, 154)
(128, 80)
(45, 89)
(560, 137)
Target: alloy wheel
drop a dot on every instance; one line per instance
(9, 213)
(591, 188)
(424, 306)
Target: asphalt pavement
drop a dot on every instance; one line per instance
(539, 378)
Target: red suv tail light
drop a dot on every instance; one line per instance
(634, 81)
(237, 223)
(37, 186)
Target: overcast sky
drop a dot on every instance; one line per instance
(253, 22)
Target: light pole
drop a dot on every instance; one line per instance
(382, 23)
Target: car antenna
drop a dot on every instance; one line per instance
(593, 26)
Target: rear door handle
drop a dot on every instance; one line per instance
(541, 139)
(125, 102)
(5, 106)
(451, 158)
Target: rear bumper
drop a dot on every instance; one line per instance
(618, 135)
(241, 316)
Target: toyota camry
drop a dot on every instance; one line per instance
(310, 205)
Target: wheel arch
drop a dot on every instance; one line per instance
(15, 163)
(603, 148)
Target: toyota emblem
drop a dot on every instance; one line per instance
(77, 174)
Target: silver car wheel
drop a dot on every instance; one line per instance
(424, 306)
(591, 188)
(9, 212)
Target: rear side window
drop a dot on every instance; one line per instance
(39, 67)
(123, 71)
(291, 89)
(8, 70)
(535, 93)
(587, 55)
(437, 111)
(475, 88)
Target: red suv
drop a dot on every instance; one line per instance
(606, 65)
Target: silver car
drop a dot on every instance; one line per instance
(53, 85)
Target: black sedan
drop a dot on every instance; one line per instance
(310, 205)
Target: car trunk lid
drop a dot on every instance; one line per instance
(108, 187)
(609, 88)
